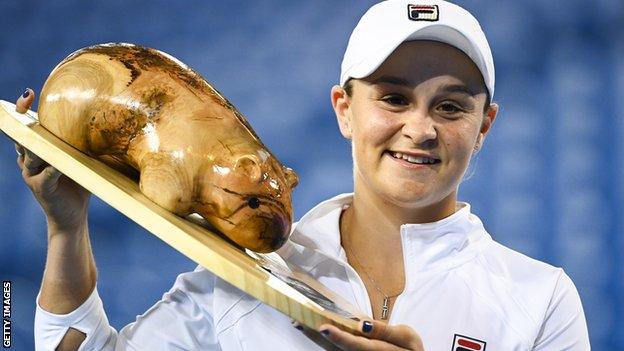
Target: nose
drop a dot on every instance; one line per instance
(263, 233)
(420, 128)
(278, 230)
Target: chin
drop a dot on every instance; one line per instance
(408, 197)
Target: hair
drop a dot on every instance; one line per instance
(348, 88)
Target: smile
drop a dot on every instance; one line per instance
(418, 160)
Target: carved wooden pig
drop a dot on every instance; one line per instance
(139, 107)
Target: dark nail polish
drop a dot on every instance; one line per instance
(299, 327)
(325, 332)
(26, 93)
(367, 327)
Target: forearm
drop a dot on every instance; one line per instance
(70, 274)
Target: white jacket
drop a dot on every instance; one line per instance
(459, 284)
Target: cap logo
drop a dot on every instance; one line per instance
(423, 12)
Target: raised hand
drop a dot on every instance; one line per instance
(63, 200)
(379, 336)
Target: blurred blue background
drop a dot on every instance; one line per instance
(549, 182)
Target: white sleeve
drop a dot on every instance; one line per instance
(177, 322)
(564, 326)
(89, 318)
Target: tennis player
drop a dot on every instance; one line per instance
(415, 100)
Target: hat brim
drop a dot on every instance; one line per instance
(436, 32)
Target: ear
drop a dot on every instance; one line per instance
(341, 104)
(486, 125)
(249, 165)
(291, 177)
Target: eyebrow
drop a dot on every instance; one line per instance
(456, 88)
(447, 88)
(391, 80)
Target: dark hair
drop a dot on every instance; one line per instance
(348, 88)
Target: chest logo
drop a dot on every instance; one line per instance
(464, 343)
(423, 12)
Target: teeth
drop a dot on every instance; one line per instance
(414, 159)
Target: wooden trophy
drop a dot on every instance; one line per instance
(114, 111)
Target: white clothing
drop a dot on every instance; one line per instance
(457, 281)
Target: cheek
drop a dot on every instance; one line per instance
(372, 129)
(460, 142)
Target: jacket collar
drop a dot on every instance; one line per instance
(427, 246)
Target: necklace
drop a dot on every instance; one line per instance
(384, 307)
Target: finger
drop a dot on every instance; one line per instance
(49, 179)
(51, 174)
(33, 164)
(25, 101)
(20, 150)
(315, 336)
(20, 163)
(400, 335)
(349, 342)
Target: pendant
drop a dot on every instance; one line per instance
(384, 308)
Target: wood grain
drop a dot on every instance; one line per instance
(145, 113)
(188, 237)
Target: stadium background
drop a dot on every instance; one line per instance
(549, 182)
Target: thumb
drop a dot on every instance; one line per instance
(25, 101)
(51, 177)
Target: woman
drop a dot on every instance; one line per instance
(415, 101)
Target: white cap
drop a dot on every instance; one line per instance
(389, 23)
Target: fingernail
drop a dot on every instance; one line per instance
(26, 93)
(367, 327)
(299, 327)
(325, 332)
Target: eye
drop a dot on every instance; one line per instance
(395, 100)
(253, 202)
(449, 107)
